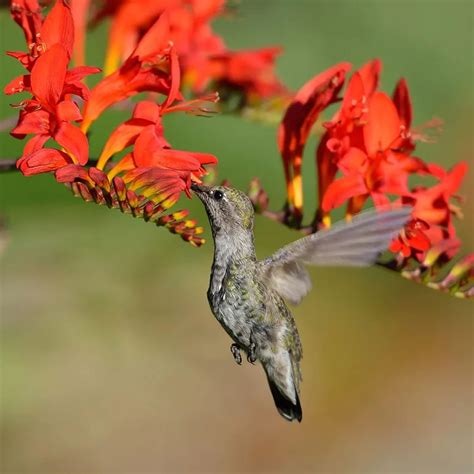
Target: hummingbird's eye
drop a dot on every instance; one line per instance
(218, 195)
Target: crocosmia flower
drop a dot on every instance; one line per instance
(152, 175)
(366, 152)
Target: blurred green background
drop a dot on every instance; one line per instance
(110, 358)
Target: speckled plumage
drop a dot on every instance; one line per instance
(247, 295)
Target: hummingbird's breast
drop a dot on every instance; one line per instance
(234, 299)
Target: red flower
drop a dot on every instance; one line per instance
(366, 151)
(49, 113)
(375, 166)
(296, 126)
(345, 129)
(27, 14)
(249, 72)
(152, 66)
(189, 24)
(204, 59)
(57, 28)
(432, 211)
(412, 240)
(151, 150)
(433, 204)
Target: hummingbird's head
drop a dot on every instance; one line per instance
(229, 210)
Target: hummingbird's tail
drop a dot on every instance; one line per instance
(283, 381)
(287, 409)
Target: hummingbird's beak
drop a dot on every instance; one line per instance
(199, 188)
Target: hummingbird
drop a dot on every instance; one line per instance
(248, 296)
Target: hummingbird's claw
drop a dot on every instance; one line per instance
(235, 349)
(251, 356)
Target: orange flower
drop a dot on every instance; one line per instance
(152, 66)
(299, 118)
(49, 113)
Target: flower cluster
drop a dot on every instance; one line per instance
(166, 48)
(240, 77)
(152, 175)
(366, 152)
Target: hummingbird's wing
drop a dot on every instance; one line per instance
(357, 243)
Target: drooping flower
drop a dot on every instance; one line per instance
(300, 116)
(205, 61)
(248, 73)
(152, 67)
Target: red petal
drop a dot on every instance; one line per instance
(353, 161)
(370, 74)
(334, 75)
(58, 27)
(47, 76)
(24, 58)
(129, 80)
(147, 143)
(383, 125)
(155, 39)
(395, 246)
(327, 168)
(145, 177)
(406, 251)
(68, 111)
(380, 200)
(74, 141)
(175, 80)
(35, 144)
(19, 84)
(78, 73)
(388, 178)
(71, 173)
(122, 137)
(204, 158)
(402, 101)
(354, 97)
(32, 122)
(73, 84)
(453, 181)
(42, 161)
(419, 241)
(147, 110)
(341, 190)
(437, 171)
(110, 90)
(173, 159)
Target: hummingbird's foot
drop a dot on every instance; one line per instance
(235, 349)
(251, 356)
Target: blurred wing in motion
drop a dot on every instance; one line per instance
(355, 244)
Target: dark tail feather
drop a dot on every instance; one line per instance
(285, 407)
